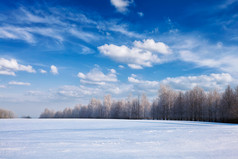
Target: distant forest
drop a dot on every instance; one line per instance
(193, 105)
(6, 113)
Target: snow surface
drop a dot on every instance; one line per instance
(116, 139)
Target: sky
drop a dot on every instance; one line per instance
(59, 53)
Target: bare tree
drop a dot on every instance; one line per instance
(179, 107)
(228, 100)
(6, 113)
(47, 114)
(146, 107)
(195, 105)
(107, 103)
(166, 101)
(195, 101)
(213, 106)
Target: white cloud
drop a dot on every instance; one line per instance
(143, 86)
(47, 32)
(98, 91)
(12, 32)
(9, 67)
(81, 75)
(82, 81)
(135, 66)
(191, 57)
(121, 66)
(95, 76)
(28, 33)
(54, 70)
(142, 54)
(54, 26)
(86, 50)
(39, 16)
(75, 91)
(19, 83)
(133, 75)
(123, 29)
(141, 14)
(151, 45)
(194, 49)
(121, 5)
(2, 86)
(126, 55)
(226, 61)
(43, 71)
(7, 72)
(133, 79)
(208, 82)
(113, 71)
(33, 25)
(86, 36)
(34, 93)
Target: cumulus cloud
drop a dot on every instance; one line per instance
(133, 79)
(208, 82)
(84, 93)
(142, 54)
(54, 70)
(153, 46)
(121, 5)
(9, 67)
(75, 91)
(81, 75)
(121, 66)
(135, 66)
(140, 86)
(96, 76)
(43, 71)
(113, 71)
(19, 83)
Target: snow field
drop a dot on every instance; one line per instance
(116, 139)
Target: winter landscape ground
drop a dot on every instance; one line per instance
(118, 139)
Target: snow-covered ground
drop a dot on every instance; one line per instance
(116, 139)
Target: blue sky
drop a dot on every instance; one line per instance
(60, 53)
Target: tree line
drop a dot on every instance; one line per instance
(6, 113)
(194, 105)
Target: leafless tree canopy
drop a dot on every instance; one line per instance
(6, 114)
(194, 105)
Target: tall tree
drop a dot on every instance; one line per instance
(107, 103)
(146, 107)
(179, 109)
(6, 113)
(228, 100)
(166, 101)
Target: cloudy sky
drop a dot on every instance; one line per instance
(58, 53)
